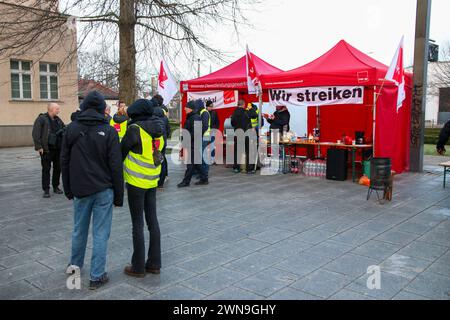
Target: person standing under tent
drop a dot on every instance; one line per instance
(240, 120)
(206, 130)
(279, 120)
(215, 124)
(141, 153)
(253, 114)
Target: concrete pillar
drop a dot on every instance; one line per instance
(420, 84)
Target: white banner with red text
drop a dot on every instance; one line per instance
(317, 96)
(220, 99)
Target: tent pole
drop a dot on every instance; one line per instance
(319, 152)
(375, 100)
(260, 93)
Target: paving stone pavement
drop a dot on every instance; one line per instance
(242, 237)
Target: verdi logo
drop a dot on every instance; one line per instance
(229, 97)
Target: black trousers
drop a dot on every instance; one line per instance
(142, 204)
(47, 159)
(164, 171)
(239, 156)
(192, 167)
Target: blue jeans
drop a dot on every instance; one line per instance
(213, 147)
(99, 206)
(205, 166)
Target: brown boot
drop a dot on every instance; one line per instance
(130, 272)
(152, 270)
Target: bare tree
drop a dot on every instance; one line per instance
(146, 28)
(442, 77)
(104, 68)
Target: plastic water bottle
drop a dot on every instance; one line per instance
(314, 169)
(324, 169)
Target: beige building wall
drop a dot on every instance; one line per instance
(18, 115)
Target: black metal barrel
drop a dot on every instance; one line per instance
(380, 173)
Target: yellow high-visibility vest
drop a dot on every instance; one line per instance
(121, 128)
(139, 169)
(255, 121)
(208, 132)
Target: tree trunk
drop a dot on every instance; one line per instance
(127, 51)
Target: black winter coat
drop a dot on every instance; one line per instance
(240, 119)
(215, 123)
(281, 120)
(444, 136)
(189, 125)
(91, 161)
(41, 131)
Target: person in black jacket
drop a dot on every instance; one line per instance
(241, 121)
(93, 177)
(215, 124)
(159, 113)
(279, 120)
(47, 134)
(193, 120)
(142, 199)
(75, 115)
(443, 139)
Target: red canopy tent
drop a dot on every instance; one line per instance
(231, 77)
(344, 65)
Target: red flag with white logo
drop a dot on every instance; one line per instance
(396, 73)
(167, 86)
(252, 75)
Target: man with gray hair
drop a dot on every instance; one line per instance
(108, 113)
(48, 130)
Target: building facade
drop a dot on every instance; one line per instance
(438, 93)
(111, 97)
(30, 79)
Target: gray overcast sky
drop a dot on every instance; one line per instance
(290, 33)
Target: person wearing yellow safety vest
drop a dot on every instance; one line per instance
(206, 129)
(120, 121)
(253, 114)
(193, 125)
(141, 152)
(215, 124)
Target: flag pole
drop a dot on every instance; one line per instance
(375, 101)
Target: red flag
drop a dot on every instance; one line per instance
(396, 73)
(162, 75)
(252, 75)
(167, 86)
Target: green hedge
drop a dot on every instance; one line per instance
(431, 135)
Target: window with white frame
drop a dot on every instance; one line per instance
(20, 80)
(48, 73)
